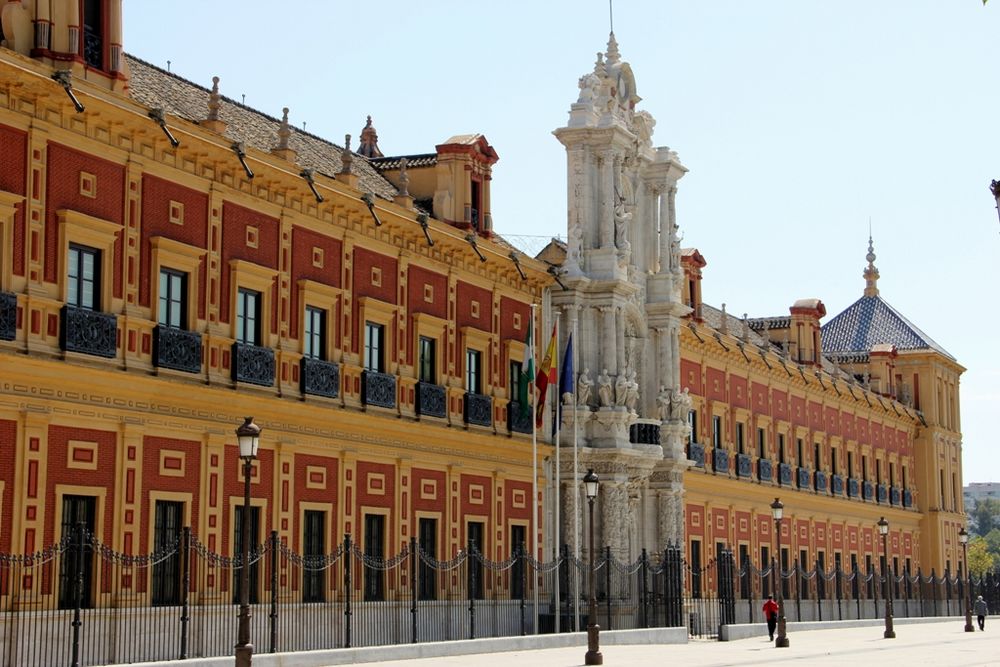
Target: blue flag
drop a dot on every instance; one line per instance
(566, 382)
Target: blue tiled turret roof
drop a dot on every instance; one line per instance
(870, 321)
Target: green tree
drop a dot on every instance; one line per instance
(985, 516)
(980, 559)
(992, 539)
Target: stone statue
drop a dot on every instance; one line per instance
(684, 404)
(631, 392)
(583, 385)
(605, 393)
(621, 388)
(663, 404)
(589, 88)
(622, 218)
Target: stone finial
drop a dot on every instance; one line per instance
(871, 273)
(403, 197)
(746, 329)
(599, 68)
(766, 333)
(613, 55)
(284, 133)
(213, 122)
(369, 141)
(724, 325)
(346, 156)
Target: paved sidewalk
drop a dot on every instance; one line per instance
(937, 644)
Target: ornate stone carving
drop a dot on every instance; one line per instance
(604, 391)
(583, 386)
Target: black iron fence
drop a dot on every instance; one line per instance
(81, 603)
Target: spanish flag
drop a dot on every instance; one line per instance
(547, 372)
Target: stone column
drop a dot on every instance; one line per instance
(620, 338)
(614, 517)
(665, 232)
(608, 344)
(606, 199)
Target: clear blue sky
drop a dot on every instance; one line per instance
(798, 120)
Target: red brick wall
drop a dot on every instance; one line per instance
(235, 221)
(63, 181)
(156, 196)
(152, 480)
(465, 294)
(13, 178)
(57, 472)
(691, 377)
(8, 445)
(303, 494)
(467, 497)
(417, 279)
(738, 393)
(303, 242)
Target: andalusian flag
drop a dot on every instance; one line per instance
(547, 372)
(527, 375)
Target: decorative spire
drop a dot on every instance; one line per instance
(871, 273)
(369, 141)
(613, 55)
(599, 69)
(346, 157)
(284, 131)
(213, 100)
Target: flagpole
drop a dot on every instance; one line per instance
(555, 537)
(534, 470)
(576, 489)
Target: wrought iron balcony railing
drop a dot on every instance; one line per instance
(431, 401)
(867, 490)
(89, 332)
(821, 481)
(8, 316)
(837, 485)
(644, 433)
(253, 364)
(882, 493)
(804, 477)
(518, 419)
(853, 488)
(785, 474)
(744, 466)
(319, 377)
(177, 349)
(720, 460)
(478, 409)
(764, 470)
(696, 453)
(378, 389)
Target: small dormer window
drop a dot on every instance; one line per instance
(93, 33)
(476, 204)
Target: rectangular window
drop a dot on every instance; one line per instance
(696, 569)
(76, 510)
(821, 575)
(817, 461)
(739, 438)
(765, 562)
(83, 277)
(784, 568)
(954, 492)
(314, 333)
(516, 368)
(904, 478)
(878, 471)
(167, 519)
(871, 577)
(173, 299)
(693, 423)
(761, 443)
(833, 460)
(473, 371)
(313, 550)
(428, 360)
(804, 567)
(864, 467)
(374, 347)
(427, 537)
(254, 592)
(850, 464)
(248, 317)
(801, 458)
(477, 543)
(781, 448)
(745, 566)
(716, 431)
(375, 551)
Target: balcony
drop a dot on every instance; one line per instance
(744, 466)
(867, 490)
(478, 409)
(804, 477)
(8, 316)
(720, 460)
(764, 470)
(378, 389)
(89, 332)
(893, 495)
(518, 419)
(643, 433)
(882, 493)
(253, 364)
(785, 474)
(837, 485)
(696, 453)
(907, 498)
(852, 487)
(431, 401)
(821, 481)
(177, 349)
(319, 378)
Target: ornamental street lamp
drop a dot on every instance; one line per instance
(963, 537)
(593, 656)
(777, 511)
(248, 437)
(883, 528)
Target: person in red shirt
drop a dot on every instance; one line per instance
(771, 614)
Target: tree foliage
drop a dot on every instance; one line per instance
(980, 559)
(985, 516)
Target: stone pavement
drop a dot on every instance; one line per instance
(938, 644)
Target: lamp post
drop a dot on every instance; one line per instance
(593, 657)
(248, 438)
(778, 511)
(883, 528)
(963, 537)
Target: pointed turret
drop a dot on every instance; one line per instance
(871, 273)
(369, 141)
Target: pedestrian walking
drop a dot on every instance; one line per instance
(980, 609)
(771, 615)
